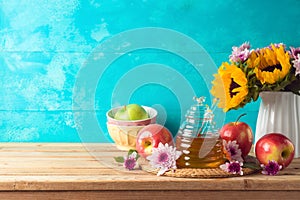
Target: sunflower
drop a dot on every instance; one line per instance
(229, 86)
(252, 61)
(272, 64)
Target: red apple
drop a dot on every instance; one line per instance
(275, 146)
(240, 132)
(150, 136)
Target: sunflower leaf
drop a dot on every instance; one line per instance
(266, 87)
(250, 75)
(284, 83)
(294, 87)
(255, 95)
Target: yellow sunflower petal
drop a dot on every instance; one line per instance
(229, 86)
(272, 64)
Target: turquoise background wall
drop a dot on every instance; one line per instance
(44, 44)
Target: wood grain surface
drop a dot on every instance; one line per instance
(88, 171)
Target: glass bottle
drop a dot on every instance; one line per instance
(198, 140)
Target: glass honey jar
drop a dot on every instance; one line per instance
(198, 140)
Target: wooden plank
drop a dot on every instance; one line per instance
(150, 195)
(139, 180)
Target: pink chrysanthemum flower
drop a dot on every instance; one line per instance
(272, 168)
(164, 158)
(296, 64)
(295, 52)
(130, 161)
(232, 151)
(240, 54)
(233, 167)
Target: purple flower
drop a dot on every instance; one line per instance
(296, 63)
(233, 167)
(295, 52)
(240, 54)
(232, 151)
(272, 168)
(164, 157)
(130, 161)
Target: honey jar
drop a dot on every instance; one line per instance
(198, 139)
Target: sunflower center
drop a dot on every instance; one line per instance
(233, 85)
(272, 68)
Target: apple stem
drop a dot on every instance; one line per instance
(242, 115)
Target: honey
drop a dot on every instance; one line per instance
(200, 152)
(198, 139)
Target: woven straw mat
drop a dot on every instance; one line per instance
(195, 172)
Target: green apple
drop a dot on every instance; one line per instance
(131, 112)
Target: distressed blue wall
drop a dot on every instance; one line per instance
(43, 44)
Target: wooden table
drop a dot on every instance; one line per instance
(80, 171)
